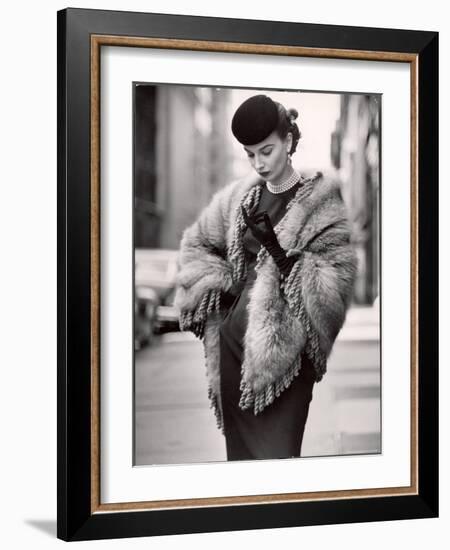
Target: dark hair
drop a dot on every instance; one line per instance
(286, 124)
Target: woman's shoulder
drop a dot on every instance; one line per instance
(233, 191)
(326, 185)
(243, 183)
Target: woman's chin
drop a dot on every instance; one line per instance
(264, 176)
(258, 175)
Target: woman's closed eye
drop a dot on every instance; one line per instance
(264, 153)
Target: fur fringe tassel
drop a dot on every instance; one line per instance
(236, 253)
(195, 320)
(264, 398)
(214, 404)
(292, 287)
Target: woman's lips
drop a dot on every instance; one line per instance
(264, 174)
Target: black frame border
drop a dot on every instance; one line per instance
(75, 520)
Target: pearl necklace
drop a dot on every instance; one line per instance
(285, 185)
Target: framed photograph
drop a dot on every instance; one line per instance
(247, 274)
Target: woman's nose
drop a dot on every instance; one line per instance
(258, 163)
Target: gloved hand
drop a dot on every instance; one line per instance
(262, 229)
(229, 296)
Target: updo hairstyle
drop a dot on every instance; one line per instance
(286, 124)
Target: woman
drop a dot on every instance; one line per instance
(266, 276)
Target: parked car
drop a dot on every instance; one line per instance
(167, 316)
(145, 305)
(156, 268)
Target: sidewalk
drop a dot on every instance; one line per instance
(362, 324)
(345, 414)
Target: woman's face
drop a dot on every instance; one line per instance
(269, 157)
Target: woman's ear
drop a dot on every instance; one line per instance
(289, 139)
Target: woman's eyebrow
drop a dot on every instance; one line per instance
(261, 148)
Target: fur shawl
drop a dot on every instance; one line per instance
(287, 316)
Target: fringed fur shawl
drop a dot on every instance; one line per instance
(287, 317)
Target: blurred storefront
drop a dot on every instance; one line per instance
(181, 158)
(355, 155)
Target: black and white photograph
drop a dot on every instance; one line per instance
(226, 266)
(257, 295)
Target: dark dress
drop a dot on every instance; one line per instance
(277, 431)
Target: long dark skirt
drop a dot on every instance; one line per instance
(277, 431)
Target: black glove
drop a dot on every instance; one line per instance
(262, 229)
(229, 296)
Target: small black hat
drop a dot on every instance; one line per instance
(254, 120)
